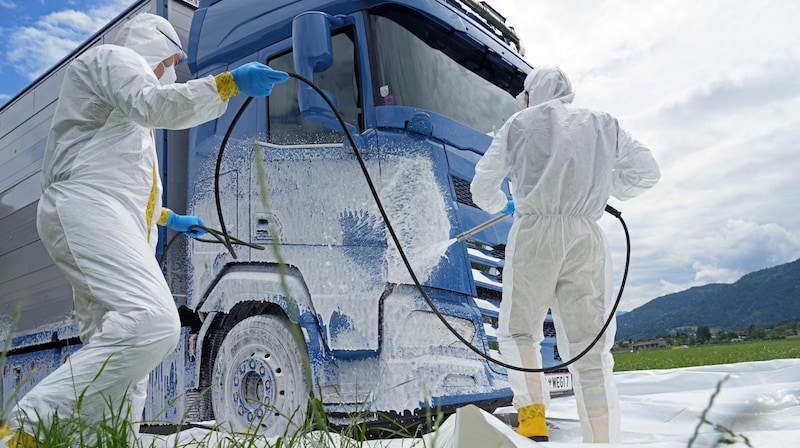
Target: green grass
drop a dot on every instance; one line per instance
(117, 432)
(708, 354)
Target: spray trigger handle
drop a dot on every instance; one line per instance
(612, 211)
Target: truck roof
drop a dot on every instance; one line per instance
(233, 37)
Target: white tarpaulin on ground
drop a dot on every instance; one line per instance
(754, 404)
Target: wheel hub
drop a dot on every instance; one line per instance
(253, 388)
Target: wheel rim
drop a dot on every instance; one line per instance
(258, 378)
(253, 388)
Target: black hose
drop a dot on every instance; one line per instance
(221, 238)
(222, 145)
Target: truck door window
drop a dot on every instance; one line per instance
(286, 126)
(421, 64)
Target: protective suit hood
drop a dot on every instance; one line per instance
(142, 34)
(546, 83)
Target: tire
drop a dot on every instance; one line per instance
(258, 382)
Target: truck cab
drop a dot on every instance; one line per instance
(422, 87)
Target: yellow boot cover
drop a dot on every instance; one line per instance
(20, 439)
(532, 423)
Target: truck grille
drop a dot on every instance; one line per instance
(463, 195)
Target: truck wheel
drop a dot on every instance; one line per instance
(258, 381)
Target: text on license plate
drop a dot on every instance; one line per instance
(559, 382)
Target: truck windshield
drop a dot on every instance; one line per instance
(421, 64)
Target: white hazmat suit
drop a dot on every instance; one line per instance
(97, 217)
(565, 163)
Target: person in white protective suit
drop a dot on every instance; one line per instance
(565, 163)
(98, 213)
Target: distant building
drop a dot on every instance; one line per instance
(649, 345)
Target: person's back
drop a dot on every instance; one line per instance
(559, 171)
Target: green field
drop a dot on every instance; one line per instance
(708, 354)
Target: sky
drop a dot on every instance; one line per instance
(36, 34)
(711, 87)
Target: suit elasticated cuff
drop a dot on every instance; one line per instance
(164, 218)
(226, 85)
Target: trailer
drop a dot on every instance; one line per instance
(320, 307)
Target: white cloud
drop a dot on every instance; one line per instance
(8, 4)
(35, 48)
(681, 258)
(741, 247)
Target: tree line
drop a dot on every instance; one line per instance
(702, 334)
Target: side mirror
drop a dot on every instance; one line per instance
(311, 39)
(313, 53)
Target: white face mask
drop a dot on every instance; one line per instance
(169, 76)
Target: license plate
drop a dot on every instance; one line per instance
(559, 382)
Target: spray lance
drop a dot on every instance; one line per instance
(225, 239)
(463, 236)
(489, 223)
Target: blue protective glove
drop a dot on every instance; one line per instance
(508, 209)
(256, 79)
(182, 223)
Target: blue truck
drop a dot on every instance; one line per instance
(326, 309)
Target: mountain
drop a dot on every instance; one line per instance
(761, 298)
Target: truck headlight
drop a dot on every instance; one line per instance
(423, 328)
